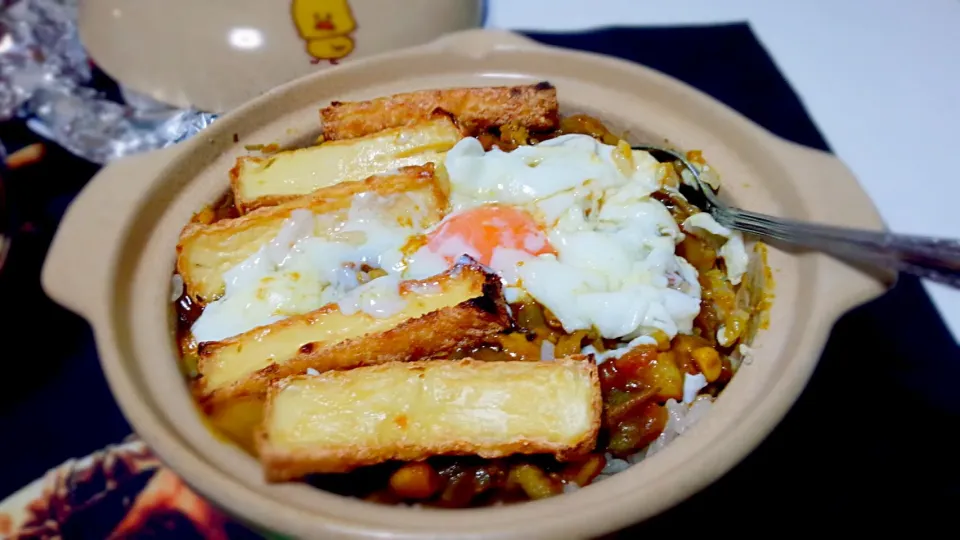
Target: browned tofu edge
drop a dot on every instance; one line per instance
(281, 465)
(323, 200)
(474, 109)
(265, 201)
(245, 206)
(433, 335)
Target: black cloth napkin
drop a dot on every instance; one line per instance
(866, 443)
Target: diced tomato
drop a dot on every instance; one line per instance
(636, 433)
(644, 369)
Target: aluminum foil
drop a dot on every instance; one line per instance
(46, 76)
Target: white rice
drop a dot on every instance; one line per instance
(547, 351)
(614, 465)
(176, 287)
(570, 487)
(638, 457)
(692, 384)
(681, 417)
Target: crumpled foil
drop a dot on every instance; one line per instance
(46, 77)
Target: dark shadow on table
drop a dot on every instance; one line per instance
(867, 446)
(54, 401)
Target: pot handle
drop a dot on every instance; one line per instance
(840, 202)
(78, 263)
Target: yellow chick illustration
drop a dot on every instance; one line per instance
(326, 26)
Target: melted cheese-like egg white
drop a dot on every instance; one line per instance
(733, 252)
(615, 267)
(616, 270)
(538, 172)
(299, 270)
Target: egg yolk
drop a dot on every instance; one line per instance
(487, 228)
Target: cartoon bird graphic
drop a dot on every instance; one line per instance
(326, 26)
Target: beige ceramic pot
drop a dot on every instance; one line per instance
(217, 54)
(113, 255)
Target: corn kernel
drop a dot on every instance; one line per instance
(415, 480)
(663, 340)
(205, 216)
(518, 344)
(665, 375)
(375, 273)
(570, 344)
(534, 482)
(583, 472)
(623, 158)
(668, 176)
(708, 360)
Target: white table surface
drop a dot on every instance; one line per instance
(881, 79)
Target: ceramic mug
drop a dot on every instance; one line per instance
(217, 54)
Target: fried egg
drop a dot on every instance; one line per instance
(733, 252)
(570, 223)
(302, 269)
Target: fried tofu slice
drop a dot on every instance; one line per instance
(206, 252)
(268, 181)
(462, 307)
(338, 421)
(534, 107)
(237, 419)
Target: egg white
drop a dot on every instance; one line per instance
(615, 269)
(302, 269)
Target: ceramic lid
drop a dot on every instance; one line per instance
(216, 54)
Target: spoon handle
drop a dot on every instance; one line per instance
(936, 259)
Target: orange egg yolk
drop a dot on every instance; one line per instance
(487, 228)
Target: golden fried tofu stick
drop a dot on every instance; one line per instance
(462, 307)
(534, 107)
(337, 421)
(268, 181)
(205, 252)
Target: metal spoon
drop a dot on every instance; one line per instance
(936, 259)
